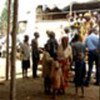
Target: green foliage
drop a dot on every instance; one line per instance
(3, 18)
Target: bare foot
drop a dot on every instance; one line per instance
(82, 96)
(2, 83)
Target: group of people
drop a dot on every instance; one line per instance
(58, 59)
(56, 64)
(66, 54)
(25, 55)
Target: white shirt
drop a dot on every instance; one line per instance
(25, 49)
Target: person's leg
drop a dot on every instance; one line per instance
(97, 69)
(26, 66)
(54, 94)
(90, 66)
(45, 85)
(63, 90)
(76, 91)
(34, 69)
(23, 74)
(82, 90)
(49, 85)
(26, 73)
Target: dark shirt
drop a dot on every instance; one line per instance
(35, 50)
(53, 47)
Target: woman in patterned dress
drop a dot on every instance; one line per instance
(65, 58)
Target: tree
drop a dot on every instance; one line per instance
(5, 27)
(3, 20)
(13, 52)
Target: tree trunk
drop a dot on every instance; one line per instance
(8, 31)
(13, 52)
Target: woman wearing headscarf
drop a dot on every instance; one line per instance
(65, 58)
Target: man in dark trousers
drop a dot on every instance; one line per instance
(92, 45)
(35, 54)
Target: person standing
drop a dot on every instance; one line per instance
(77, 46)
(25, 52)
(53, 44)
(56, 79)
(47, 61)
(78, 49)
(80, 71)
(64, 54)
(35, 54)
(92, 44)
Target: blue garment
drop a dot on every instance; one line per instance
(99, 61)
(80, 71)
(92, 57)
(92, 42)
(99, 44)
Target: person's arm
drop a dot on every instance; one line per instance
(32, 44)
(85, 48)
(85, 42)
(71, 54)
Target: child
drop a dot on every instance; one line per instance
(56, 77)
(25, 56)
(47, 64)
(80, 71)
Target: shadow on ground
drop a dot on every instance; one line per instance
(32, 89)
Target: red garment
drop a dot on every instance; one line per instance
(65, 69)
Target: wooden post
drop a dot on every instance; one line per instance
(8, 31)
(13, 52)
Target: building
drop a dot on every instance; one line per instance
(60, 14)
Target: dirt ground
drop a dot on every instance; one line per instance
(32, 89)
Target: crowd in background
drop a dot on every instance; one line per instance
(80, 41)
